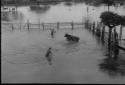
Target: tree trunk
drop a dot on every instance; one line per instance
(116, 50)
(109, 39)
(108, 8)
(103, 33)
(120, 37)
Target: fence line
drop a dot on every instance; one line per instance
(116, 42)
(28, 25)
(77, 23)
(98, 29)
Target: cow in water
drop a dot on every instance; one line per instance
(71, 38)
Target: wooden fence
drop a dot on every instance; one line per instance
(42, 26)
(116, 42)
(96, 28)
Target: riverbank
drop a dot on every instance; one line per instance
(54, 2)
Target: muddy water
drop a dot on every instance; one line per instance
(23, 59)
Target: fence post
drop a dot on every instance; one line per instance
(12, 27)
(39, 23)
(116, 43)
(90, 25)
(43, 25)
(57, 25)
(120, 36)
(72, 25)
(109, 39)
(93, 29)
(28, 25)
(103, 32)
(20, 26)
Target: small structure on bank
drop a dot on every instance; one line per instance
(8, 8)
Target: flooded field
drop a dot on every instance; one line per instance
(23, 53)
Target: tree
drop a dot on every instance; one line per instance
(111, 20)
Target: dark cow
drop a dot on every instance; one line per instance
(71, 38)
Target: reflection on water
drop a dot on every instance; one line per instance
(113, 67)
(71, 47)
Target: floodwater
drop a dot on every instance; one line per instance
(23, 52)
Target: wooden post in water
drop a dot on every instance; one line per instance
(96, 28)
(90, 25)
(39, 24)
(57, 25)
(115, 35)
(103, 32)
(109, 40)
(12, 27)
(93, 28)
(116, 43)
(72, 25)
(43, 25)
(99, 27)
(28, 25)
(120, 36)
(20, 26)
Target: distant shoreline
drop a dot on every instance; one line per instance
(53, 2)
(30, 3)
